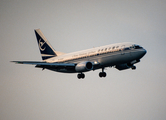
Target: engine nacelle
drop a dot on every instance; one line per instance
(84, 66)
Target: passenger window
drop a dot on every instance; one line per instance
(117, 46)
(109, 48)
(113, 47)
(106, 49)
(99, 50)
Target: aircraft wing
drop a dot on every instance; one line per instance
(67, 67)
(45, 64)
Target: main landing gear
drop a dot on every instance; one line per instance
(102, 74)
(81, 75)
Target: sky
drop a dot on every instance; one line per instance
(28, 93)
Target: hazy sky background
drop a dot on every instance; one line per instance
(27, 93)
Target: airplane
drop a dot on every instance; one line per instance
(122, 56)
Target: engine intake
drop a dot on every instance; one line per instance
(84, 66)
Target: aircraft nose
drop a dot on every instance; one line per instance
(143, 52)
(139, 54)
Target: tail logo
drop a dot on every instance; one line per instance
(41, 45)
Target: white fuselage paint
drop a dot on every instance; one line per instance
(104, 56)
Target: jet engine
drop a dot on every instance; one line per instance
(84, 66)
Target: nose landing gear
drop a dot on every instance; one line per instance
(133, 67)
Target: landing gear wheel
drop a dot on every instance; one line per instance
(81, 76)
(133, 67)
(102, 74)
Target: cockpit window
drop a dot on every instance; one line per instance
(137, 47)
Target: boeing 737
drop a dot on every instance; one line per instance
(120, 55)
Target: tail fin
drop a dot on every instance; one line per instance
(45, 48)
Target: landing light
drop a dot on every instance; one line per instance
(95, 62)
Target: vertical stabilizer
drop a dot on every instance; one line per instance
(45, 47)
